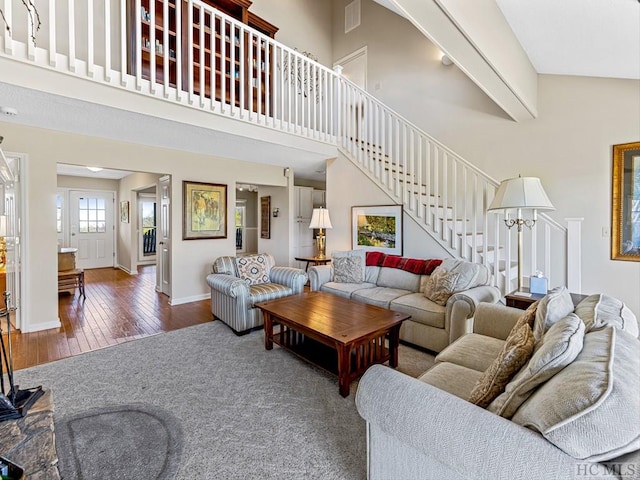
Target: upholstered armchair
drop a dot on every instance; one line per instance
(239, 283)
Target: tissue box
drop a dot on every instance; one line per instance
(538, 285)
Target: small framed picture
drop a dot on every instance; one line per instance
(265, 217)
(124, 211)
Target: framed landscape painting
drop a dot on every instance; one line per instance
(204, 210)
(377, 228)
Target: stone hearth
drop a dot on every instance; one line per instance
(29, 441)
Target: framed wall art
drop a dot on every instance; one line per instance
(265, 217)
(204, 213)
(124, 211)
(625, 203)
(377, 228)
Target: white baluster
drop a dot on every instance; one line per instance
(242, 84)
(8, 41)
(90, 39)
(166, 59)
(223, 63)
(124, 38)
(52, 32)
(202, 60)
(190, 68)
(72, 35)
(107, 41)
(152, 47)
(178, 53)
(212, 60)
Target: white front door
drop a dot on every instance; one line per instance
(91, 228)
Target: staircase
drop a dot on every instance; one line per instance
(443, 193)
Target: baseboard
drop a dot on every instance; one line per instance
(195, 298)
(42, 326)
(124, 269)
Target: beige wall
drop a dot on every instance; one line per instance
(279, 245)
(87, 183)
(304, 24)
(191, 260)
(568, 146)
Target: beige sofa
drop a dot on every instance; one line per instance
(431, 326)
(582, 422)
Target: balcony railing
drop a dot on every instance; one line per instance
(224, 67)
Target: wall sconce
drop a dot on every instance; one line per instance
(446, 61)
(276, 212)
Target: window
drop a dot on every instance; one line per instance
(92, 215)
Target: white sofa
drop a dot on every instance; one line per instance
(431, 326)
(583, 422)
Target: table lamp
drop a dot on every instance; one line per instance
(320, 219)
(518, 194)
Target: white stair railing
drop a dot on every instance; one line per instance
(224, 67)
(443, 193)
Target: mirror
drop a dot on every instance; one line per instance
(625, 218)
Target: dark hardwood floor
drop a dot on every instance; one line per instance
(118, 308)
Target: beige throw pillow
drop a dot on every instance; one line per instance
(529, 316)
(441, 285)
(559, 347)
(599, 311)
(590, 408)
(452, 276)
(515, 353)
(349, 266)
(555, 305)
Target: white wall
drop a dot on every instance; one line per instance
(191, 260)
(303, 24)
(568, 146)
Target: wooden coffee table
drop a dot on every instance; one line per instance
(339, 335)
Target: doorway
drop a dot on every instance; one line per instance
(147, 226)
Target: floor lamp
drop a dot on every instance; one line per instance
(521, 193)
(320, 219)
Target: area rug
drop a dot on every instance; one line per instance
(129, 441)
(245, 412)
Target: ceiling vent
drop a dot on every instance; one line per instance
(352, 16)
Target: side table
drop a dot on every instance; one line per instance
(523, 301)
(313, 260)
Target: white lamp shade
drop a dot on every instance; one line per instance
(320, 218)
(521, 192)
(3, 225)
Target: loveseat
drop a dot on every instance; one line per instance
(572, 411)
(399, 283)
(239, 283)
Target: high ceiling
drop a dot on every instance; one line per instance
(596, 38)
